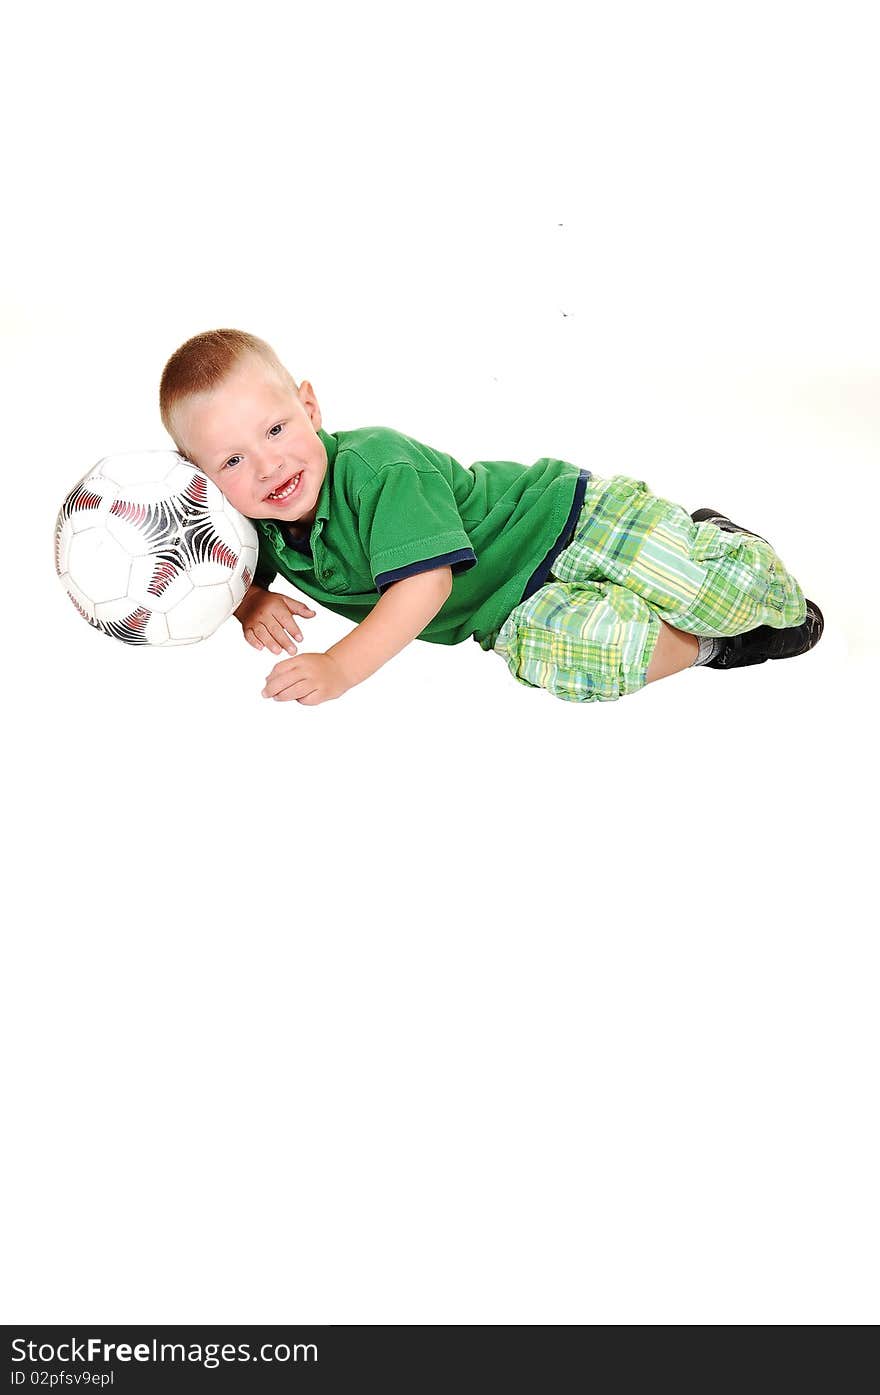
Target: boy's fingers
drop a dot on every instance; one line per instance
(281, 624)
(282, 630)
(288, 685)
(296, 692)
(278, 690)
(279, 677)
(264, 634)
(284, 640)
(285, 627)
(252, 639)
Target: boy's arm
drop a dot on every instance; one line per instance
(400, 614)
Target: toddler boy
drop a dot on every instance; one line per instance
(588, 587)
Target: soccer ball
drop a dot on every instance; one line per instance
(150, 551)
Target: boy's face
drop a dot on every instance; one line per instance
(255, 437)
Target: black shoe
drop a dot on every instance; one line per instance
(722, 521)
(758, 645)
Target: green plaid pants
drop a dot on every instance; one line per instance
(588, 634)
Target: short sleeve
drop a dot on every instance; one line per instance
(409, 522)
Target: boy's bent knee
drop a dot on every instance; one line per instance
(587, 643)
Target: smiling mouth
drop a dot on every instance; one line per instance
(285, 490)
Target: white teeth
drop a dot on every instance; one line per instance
(283, 494)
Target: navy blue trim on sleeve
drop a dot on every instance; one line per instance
(459, 561)
(539, 575)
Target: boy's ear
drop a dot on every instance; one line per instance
(310, 402)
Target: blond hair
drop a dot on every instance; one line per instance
(203, 363)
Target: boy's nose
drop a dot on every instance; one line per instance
(267, 468)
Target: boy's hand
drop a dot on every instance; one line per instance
(266, 617)
(309, 679)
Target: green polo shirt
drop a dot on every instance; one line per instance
(390, 507)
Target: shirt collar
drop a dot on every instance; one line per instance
(331, 446)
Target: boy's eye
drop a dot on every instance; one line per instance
(277, 427)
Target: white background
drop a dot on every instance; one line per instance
(448, 1001)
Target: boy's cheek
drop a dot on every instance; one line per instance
(238, 497)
